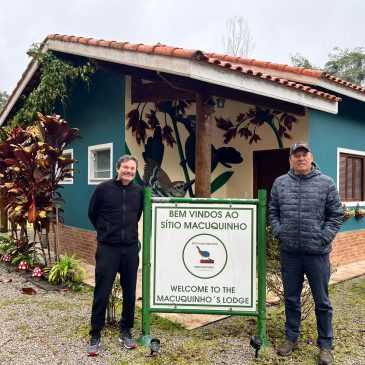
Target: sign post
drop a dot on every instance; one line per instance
(199, 256)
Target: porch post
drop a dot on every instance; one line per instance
(203, 147)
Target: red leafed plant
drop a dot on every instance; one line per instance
(31, 168)
(246, 125)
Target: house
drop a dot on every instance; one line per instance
(258, 108)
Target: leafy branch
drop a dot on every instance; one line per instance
(246, 125)
(57, 80)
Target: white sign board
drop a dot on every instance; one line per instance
(203, 256)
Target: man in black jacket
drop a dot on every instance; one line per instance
(114, 210)
(305, 214)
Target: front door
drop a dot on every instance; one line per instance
(267, 166)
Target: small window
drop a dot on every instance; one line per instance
(100, 163)
(351, 177)
(69, 154)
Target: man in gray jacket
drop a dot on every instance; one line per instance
(305, 214)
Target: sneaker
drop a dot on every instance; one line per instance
(326, 357)
(127, 339)
(93, 348)
(287, 347)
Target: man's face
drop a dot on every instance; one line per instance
(301, 161)
(127, 171)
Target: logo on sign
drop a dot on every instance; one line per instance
(204, 256)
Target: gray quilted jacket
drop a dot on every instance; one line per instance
(305, 212)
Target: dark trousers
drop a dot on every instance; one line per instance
(111, 259)
(317, 270)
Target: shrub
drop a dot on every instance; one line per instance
(67, 272)
(6, 245)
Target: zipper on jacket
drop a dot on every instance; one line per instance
(123, 216)
(299, 208)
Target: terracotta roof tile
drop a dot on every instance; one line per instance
(285, 68)
(235, 63)
(267, 76)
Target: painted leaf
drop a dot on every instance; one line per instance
(220, 180)
(224, 124)
(152, 119)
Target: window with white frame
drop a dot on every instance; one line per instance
(69, 154)
(351, 175)
(100, 163)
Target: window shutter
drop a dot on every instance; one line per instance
(342, 188)
(358, 182)
(349, 178)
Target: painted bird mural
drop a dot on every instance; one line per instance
(154, 176)
(205, 254)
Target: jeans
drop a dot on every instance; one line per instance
(111, 259)
(317, 270)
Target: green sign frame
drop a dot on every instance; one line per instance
(259, 313)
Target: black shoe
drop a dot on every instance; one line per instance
(93, 348)
(127, 339)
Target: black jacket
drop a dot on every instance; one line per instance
(115, 210)
(305, 212)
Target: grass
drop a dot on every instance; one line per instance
(348, 300)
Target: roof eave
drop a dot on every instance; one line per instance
(27, 76)
(199, 71)
(341, 89)
(314, 80)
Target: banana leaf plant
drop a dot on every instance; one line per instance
(31, 169)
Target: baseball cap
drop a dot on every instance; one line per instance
(299, 144)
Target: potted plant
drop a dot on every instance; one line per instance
(359, 212)
(347, 213)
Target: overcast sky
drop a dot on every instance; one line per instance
(279, 28)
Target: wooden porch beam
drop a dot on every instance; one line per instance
(187, 85)
(157, 91)
(236, 95)
(203, 144)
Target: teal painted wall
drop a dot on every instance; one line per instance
(327, 132)
(99, 114)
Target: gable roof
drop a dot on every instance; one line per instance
(268, 79)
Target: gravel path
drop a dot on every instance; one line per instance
(52, 327)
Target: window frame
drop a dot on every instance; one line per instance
(68, 180)
(354, 153)
(90, 156)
